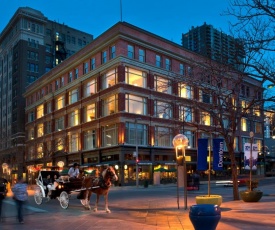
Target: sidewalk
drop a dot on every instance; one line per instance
(157, 214)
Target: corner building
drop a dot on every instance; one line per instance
(113, 97)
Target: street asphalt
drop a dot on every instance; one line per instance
(153, 213)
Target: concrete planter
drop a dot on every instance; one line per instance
(212, 199)
(251, 196)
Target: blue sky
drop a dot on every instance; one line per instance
(168, 19)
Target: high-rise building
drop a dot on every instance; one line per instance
(30, 45)
(215, 44)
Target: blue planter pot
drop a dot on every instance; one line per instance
(205, 216)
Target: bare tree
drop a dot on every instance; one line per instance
(254, 22)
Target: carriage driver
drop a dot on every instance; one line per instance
(74, 171)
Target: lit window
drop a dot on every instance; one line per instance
(135, 104)
(109, 135)
(90, 114)
(244, 125)
(135, 77)
(60, 102)
(40, 131)
(109, 79)
(205, 118)
(90, 88)
(162, 85)
(163, 110)
(73, 118)
(185, 91)
(109, 105)
(163, 136)
(40, 111)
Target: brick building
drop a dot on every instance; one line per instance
(112, 99)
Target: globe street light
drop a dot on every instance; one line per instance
(180, 141)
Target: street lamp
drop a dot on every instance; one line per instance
(251, 134)
(136, 153)
(180, 141)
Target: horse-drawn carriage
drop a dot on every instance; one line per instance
(61, 192)
(85, 186)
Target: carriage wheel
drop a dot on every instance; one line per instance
(38, 196)
(64, 199)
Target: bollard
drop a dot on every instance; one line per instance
(205, 216)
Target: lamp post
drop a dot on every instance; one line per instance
(136, 154)
(251, 134)
(180, 141)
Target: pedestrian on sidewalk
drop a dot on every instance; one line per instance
(20, 195)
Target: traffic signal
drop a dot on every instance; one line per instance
(137, 161)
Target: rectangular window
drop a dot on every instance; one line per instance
(185, 113)
(182, 69)
(141, 55)
(109, 105)
(73, 142)
(93, 66)
(158, 61)
(135, 104)
(40, 131)
(48, 127)
(73, 118)
(205, 119)
(168, 64)
(75, 74)
(40, 111)
(162, 109)
(130, 51)
(244, 124)
(31, 116)
(49, 107)
(113, 52)
(85, 67)
(162, 85)
(62, 82)
(90, 113)
(135, 77)
(163, 136)
(70, 77)
(60, 102)
(59, 124)
(89, 139)
(104, 57)
(73, 96)
(90, 88)
(185, 91)
(205, 97)
(109, 135)
(56, 84)
(136, 134)
(109, 79)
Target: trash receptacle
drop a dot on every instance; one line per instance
(205, 216)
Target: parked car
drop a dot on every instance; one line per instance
(242, 179)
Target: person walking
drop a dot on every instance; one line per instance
(20, 196)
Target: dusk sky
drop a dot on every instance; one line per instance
(168, 19)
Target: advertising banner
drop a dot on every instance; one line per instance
(202, 154)
(217, 154)
(247, 153)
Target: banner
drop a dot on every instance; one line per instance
(247, 154)
(217, 154)
(202, 154)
